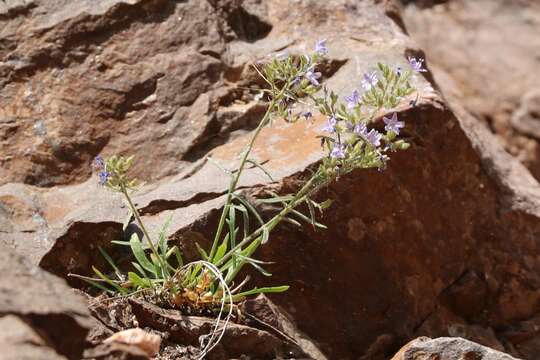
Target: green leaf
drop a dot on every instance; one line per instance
(233, 268)
(265, 235)
(256, 164)
(138, 252)
(292, 221)
(162, 237)
(245, 218)
(138, 281)
(109, 281)
(98, 285)
(139, 269)
(255, 291)
(120, 242)
(255, 263)
(204, 255)
(215, 163)
(161, 270)
(250, 207)
(178, 256)
(221, 250)
(111, 262)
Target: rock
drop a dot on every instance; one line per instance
(465, 39)
(237, 340)
(40, 316)
(19, 341)
(526, 119)
(115, 351)
(149, 343)
(445, 236)
(262, 313)
(447, 349)
(73, 76)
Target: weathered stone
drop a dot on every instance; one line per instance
(39, 313)
(262, 313)
(490, 48)
(74, 75)
(19, 341)
(445, 236)
(237, 340)
(448, 349)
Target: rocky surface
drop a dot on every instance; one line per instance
(443, 243)
(490, 50)
(40, 316)
(448, 349)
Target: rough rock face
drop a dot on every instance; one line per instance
(144, 77)
(491, 51)
(40, 316)
(448, 349)
(443, 243)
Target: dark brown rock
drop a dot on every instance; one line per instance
(237, 340)
(19, 341)
(448, 349)
(489, 48)
(262, 313)
(443, 242)
(74, 75)
(39, 313)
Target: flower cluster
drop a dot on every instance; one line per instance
(346, 134)
(292, 78)
(103, 174)
(112, 173)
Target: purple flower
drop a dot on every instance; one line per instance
(99, 162)
(103, 177)
(320, 47)
(353, 100)
(416, 64)
(393, 124)
(295, 81)
(308, 115)
(312, 77)
(374, 138)
(338, 151)
(330, 125)
(369, 80)
(360, 129)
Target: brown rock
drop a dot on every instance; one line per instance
(400, 243)
(74, 75)
(477, 44)
(39, 313)
(261, 312)
(425, 348)
(19, 341)
(237, 340)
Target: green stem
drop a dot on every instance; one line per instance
(302, 195)
(236, 177)
(139, 220)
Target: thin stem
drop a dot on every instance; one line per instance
(139, 220)
(300, 197)
(236, 177)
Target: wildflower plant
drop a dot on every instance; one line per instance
(349, 142)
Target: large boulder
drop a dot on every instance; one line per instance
(40, 315)
(443, 242)
(448, 349)
(490, 49)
